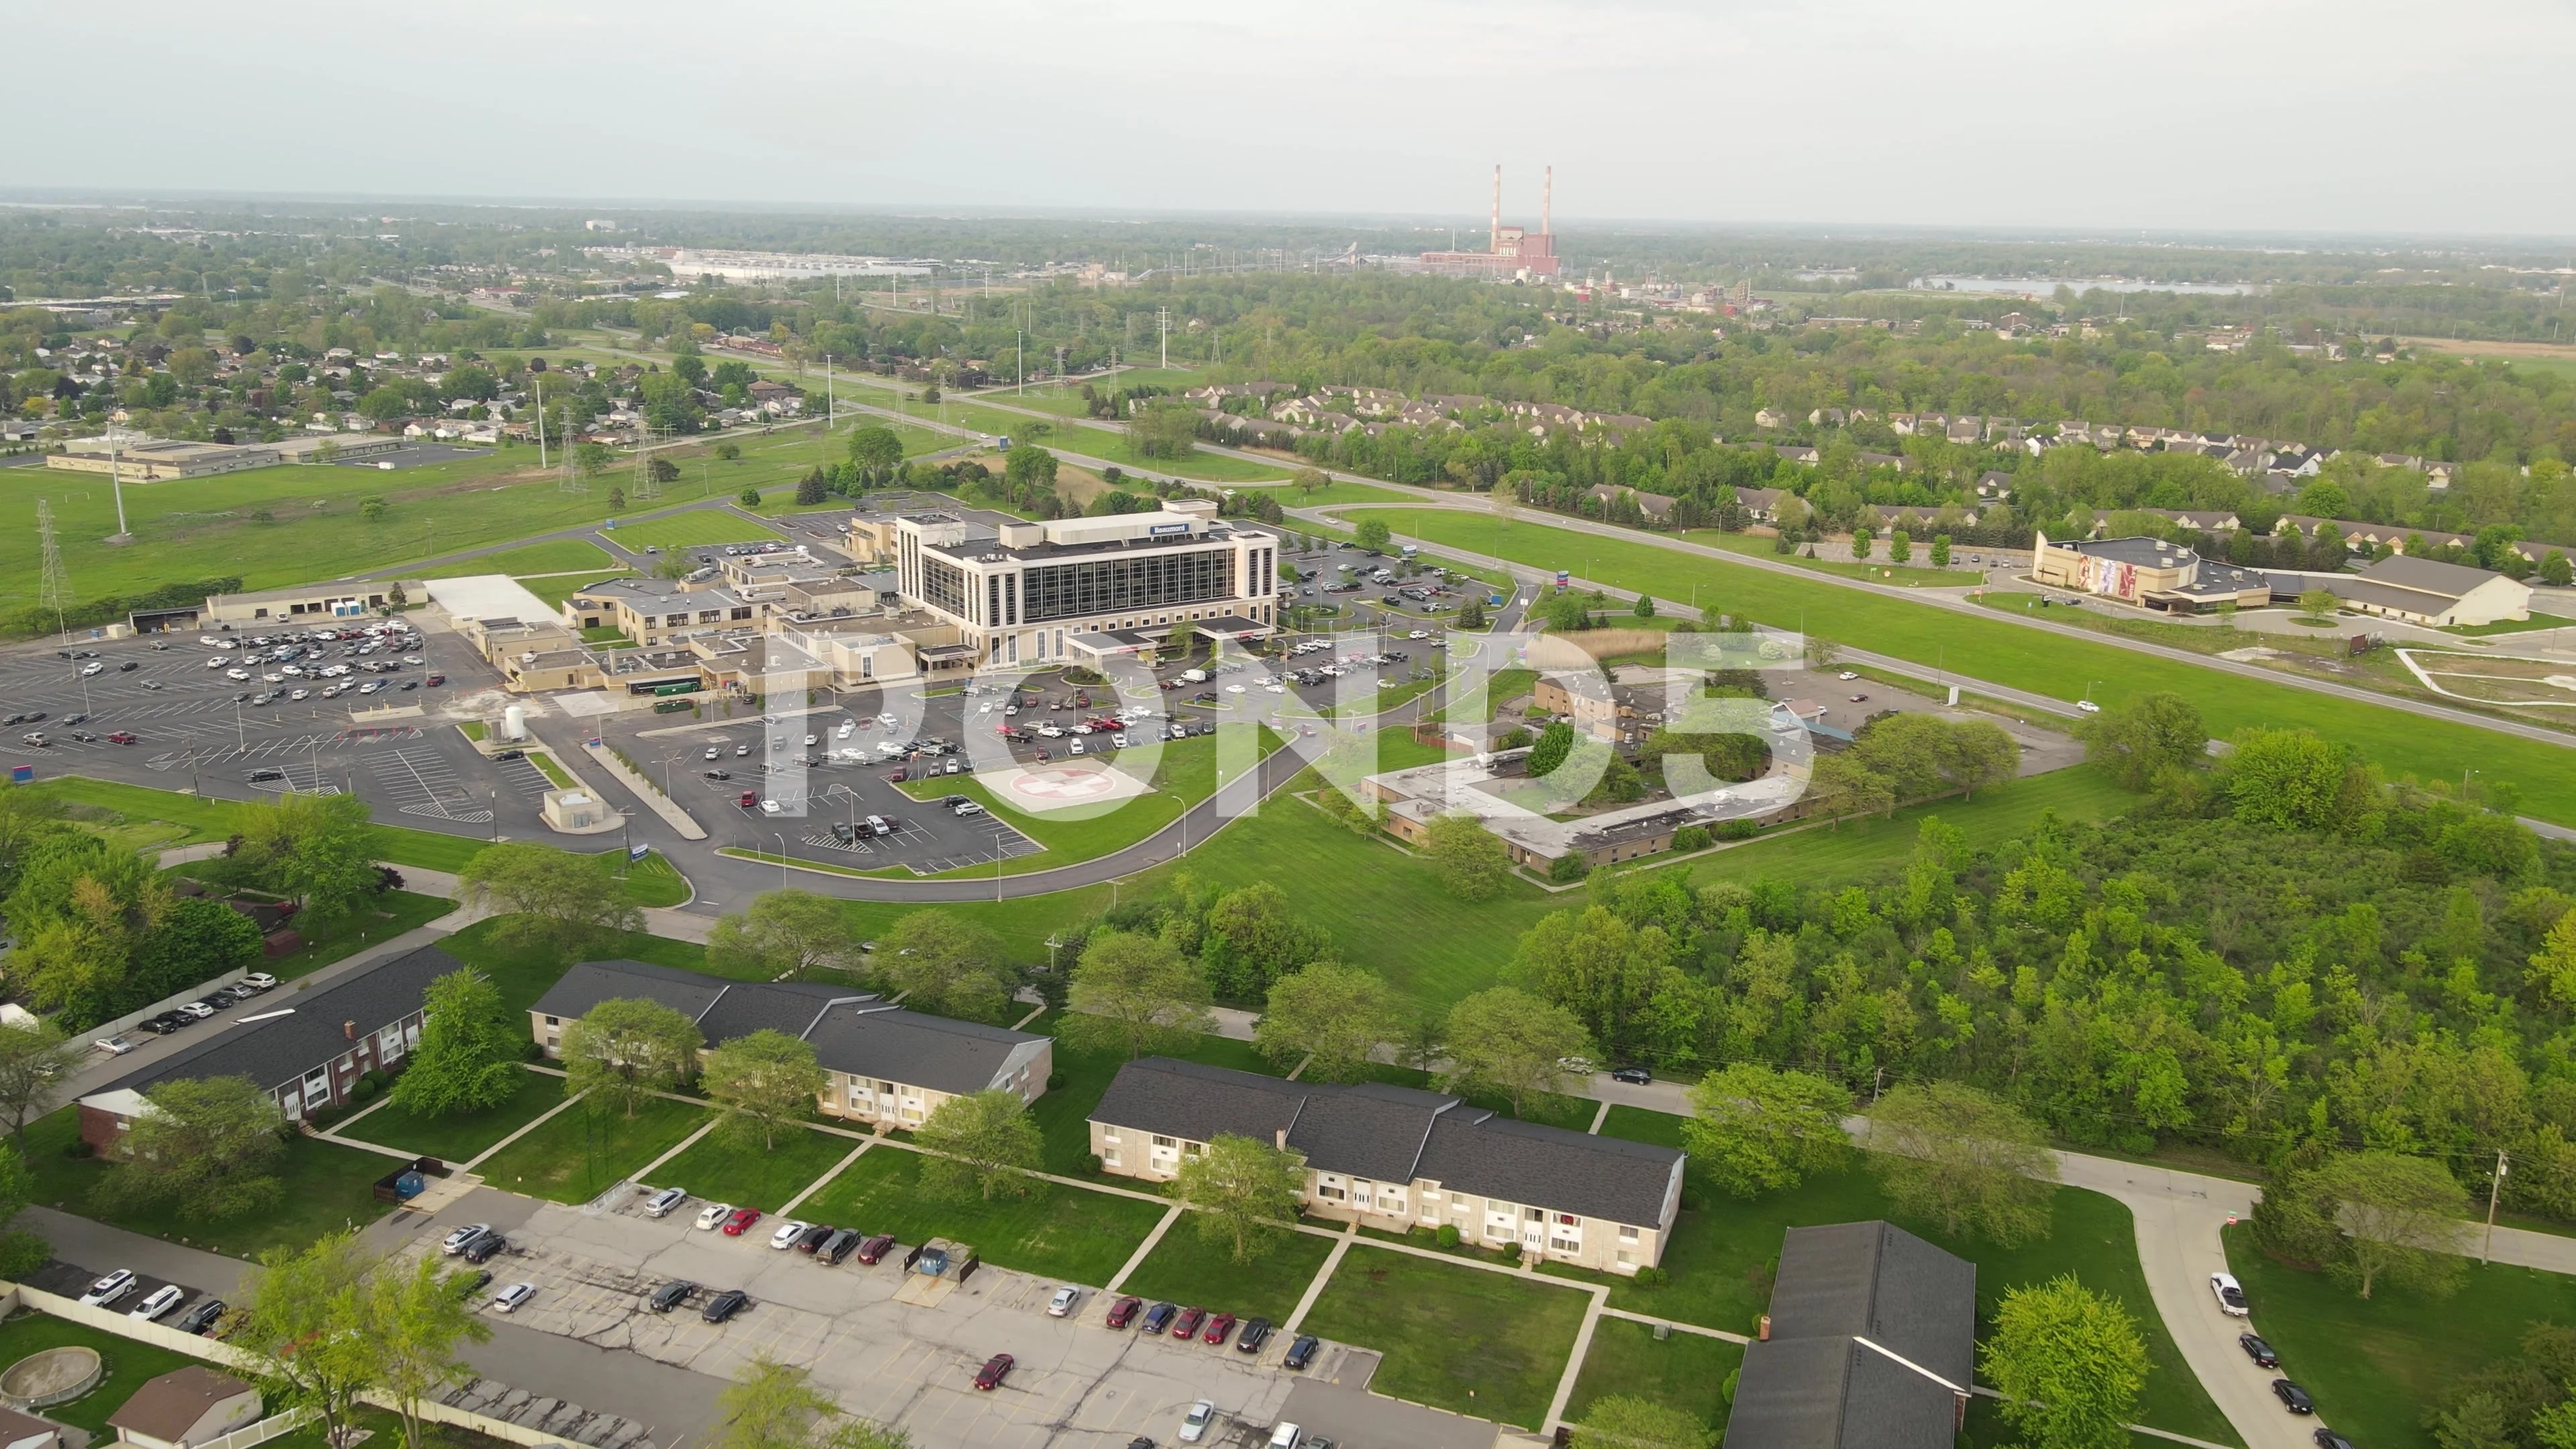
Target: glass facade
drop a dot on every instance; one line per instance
(943, 584)
(1108, 585)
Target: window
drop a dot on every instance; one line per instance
(554, 1021)
(1565, 1245)
(1626, 1257)
(1165, 1142)
(1567, 1220)
(1109, 1158)
(1533, 1215)
(1627, 1234)
(1108, 1134)
(1323, 1189)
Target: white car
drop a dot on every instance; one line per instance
(260, 981)
(1063, 1302)
(715, 752)
(889, 748)
(770, 807)
(238, 676)
(1118, 742)
(886, 720)
(2088, 706)
(660, 1204)
(509, 1299)
(813, 740)
(2231, 1297)
(218, 662)
(454, 1243)
(1194, 1424)
(115, 1046)
(299, 694)
(91, 668)
(162, 1300)
(1848, 674)
(787, 1234)
(108, 1289)
(712, 1216)
(848, 727)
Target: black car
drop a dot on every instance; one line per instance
(1633, 1076)
(170, 1021)
(1159, 1317)
(484, 1245)
(671, 1295)
(2293, 1397)
(511, 755)
(814, 1237)
(719, 774)
(1301, 1353)
(1256, 1332)
(840, 1245)
(128, 667)
(200, 1318)
(469, 1284)
(155, 1027)
(2257, 1350)
(2329, 1439)
(725, 1305)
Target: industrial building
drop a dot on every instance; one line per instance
(1511, 253)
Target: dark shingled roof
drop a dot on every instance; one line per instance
(168, 1407)
(1855, 1304)
(312, 1029)
(905, 1046)
(2425, 575)
(589, 983)
(1398, 1134)
(789, 1006)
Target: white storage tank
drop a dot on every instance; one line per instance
(514, 723)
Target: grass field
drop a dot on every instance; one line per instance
(1188, 1266)
(1054, 1232)
(1456, 1338)
(748, 1175)
(1857, 849)
(522, 973)
(693, 528)
(326, 1186)
(394, 913)
(554, 556)
(1877, 570)
(1686, 1371)
(128, 1364)
(580, 1153)
(2376, 1366)
(459, 1138)
(2009, 654)
(1062, 433)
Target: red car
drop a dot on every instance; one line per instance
(1123, 1312)
(875, 1249)
(1220, 1328)
(995, 1369)
(741, 1221)
(120, 737)
(1188, 1323)
(750, 800)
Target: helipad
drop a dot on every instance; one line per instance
(1049, 789)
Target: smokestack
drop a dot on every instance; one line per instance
(1547, 202)
(1494, 238)
(349, 1029)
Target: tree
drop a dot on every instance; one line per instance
(1373, 533)
(1471, 613)
(1940, 550)
(593, 458)
(624, 1050)
(2553, 966)
(2290, 780)
(2069, 1364)
(1975, 754)
(813, 487)
(551, 898)
(944, 963)
(2318, 605)
(1645, 608)
(1504, 1039)
(33, 1057)
(1253, 938)
(1974, 1164)
(469, 1052)
(875, 449)
(1841, 785)
(203, 1146)
(1755, 1130)
(1861, 540)
(1243, 1188)
(320, 849)
(2479, 1421)
(21, 1251)
(617, 500)
(1166, 430)
(729, 452)
(784, 933)
(305, 1315)
(1135, 992)
(982, 1144)
(2404, 1219)
(1900, 547)
(1469, 859)
(661, 470)
(1307, 480)
(1333, 1017)
(2555, 571)
(1554, 743)
(770, 1405)
(2142, 738)
(416, 1318)
(1625, 1421)
(762, 1081)
(1822, 653)
(748, 498)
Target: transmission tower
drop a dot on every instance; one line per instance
(53, 586)
(573, 479)
(646, 441)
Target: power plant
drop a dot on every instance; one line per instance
(1511, 252)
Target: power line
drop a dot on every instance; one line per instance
(53, 586)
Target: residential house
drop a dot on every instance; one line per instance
(185, 1407)
(308, 1058)
(1395, 1158)
(26, 1431)
(884, 1065)
(1870, 1344)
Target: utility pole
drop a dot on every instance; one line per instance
(540, 382)
(831, 403)
(2495, 1190)
(53, 586)
(116, 484)
(1163, 324)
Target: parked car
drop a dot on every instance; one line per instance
(1159, 1317)
(161, 1300)
(1256, 1332)
(1301, 1353)
(787, 1234)
(660, 1204)
(2329, 1439)
(712, 1216)
(1194, 1424)
(1063, 1302)
(469, 1285)
(874, 1249)
(2257, 1350)
(454, 1243)
(200, 1318)
(1633, 1076)
(260, 981)
(1219, 1329)
(482, 1248)
(108, 1289)
(2231, 1298)
(995, 1369)
(115, 1046)
(1123, 1312)
(725, 1305)
(509, 1299)
(840, 1245)
(2292, 1397)
(1286, 1436)
(1187, 1325)
(740, 1221)
(671, 1295)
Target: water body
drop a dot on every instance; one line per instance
(2043, 287)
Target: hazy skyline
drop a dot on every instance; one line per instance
(2262, 115)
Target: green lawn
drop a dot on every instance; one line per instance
(1859, 849)
(462, 1137)
(395, 912)
(2510, 626)
(1337, 491)
(128, 1364)
(1458, 1338)
(690, 529)
(2376, 1366)
(523, 973)
(1686, 1371)
(1055, 1231)
(580, 1153)
(748, 1175)
(326, 1187)
(1877, 570)
(1188, 1266)
(554, 556)
(1062, 434)
(563, 586)
(2010, 654)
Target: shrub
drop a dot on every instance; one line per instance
(1055, 1081)
(1567, 869)
(1736, 829)
(22, 1253)
(1447, 1236)
(1091, 1164)
(1691, 837)
(1652, 1277)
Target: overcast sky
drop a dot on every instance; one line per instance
(2305, 115)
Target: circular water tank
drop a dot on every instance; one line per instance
(514, 722)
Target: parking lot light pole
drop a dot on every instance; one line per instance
(783, 878)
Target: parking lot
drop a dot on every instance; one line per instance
(889, 1345)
